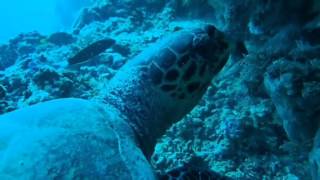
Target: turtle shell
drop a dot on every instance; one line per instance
(69, 139)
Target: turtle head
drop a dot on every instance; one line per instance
(211, 46)
(182, 68)
(166, 81)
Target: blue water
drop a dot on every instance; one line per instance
(44, 16)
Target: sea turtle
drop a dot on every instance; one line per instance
(113, 137)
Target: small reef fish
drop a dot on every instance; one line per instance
(91, 51)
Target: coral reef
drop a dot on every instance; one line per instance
(259, 118)
(293, 88)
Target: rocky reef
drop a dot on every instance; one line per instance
(260, 116)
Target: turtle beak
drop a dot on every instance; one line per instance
(211, 30)
(219, 50)
(224, 43)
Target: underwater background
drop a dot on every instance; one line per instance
(259, 118)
